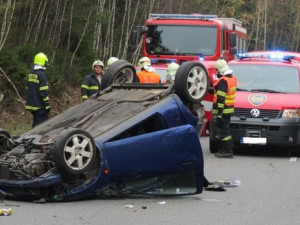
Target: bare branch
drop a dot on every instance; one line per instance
(14, 87)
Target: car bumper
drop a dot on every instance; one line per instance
(284, 132)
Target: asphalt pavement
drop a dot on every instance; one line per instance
(268, 194)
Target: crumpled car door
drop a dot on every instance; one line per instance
(164, 152)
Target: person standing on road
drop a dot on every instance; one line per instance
(92, 83)
(37, 95)
(223, 107)
(147, 73)
(171, 71)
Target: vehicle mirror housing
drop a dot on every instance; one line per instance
(232, 40)
(133, 37)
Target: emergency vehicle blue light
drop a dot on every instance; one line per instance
(276, 56)
(182, 16)
(241, 55)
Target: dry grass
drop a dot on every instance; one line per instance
(17, 121)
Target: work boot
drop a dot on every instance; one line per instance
(225, 155)
(226, 150)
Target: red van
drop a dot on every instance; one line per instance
(267, 105)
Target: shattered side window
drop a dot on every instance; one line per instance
(151, 124)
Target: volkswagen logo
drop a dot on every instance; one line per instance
(255, 112)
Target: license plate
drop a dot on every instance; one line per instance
(253, 140)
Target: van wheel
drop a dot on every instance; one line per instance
(191, 82)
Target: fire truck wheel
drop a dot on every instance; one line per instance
(191, 82)
(119, 72)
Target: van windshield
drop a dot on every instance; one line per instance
(267, 78)
(181, 40)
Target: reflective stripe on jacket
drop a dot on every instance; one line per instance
(90, 86)
(224, 95)
(37, 95)
(148, 77)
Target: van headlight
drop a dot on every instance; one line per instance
(291, 113)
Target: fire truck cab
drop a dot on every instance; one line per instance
(195, 37)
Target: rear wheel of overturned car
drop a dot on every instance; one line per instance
(191, 82)
(119, 72)
(74, 151)
(4, 141)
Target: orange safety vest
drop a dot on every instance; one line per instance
(148, 77)
(230, 95)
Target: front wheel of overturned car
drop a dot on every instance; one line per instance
(119, 72)
(191, 82)
(74, 151)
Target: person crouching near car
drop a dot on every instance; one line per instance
(92, 83)
(223, 107)
(147, 73)
(37, 94)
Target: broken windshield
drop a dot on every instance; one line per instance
(181, 40)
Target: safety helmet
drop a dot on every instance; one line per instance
(40, 59)
(97, 63)
(145, 61)
(221, 66)
(111, 60)
(172, 68)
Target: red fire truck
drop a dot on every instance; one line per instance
(180, 38)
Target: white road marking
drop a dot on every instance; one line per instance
(293, 159)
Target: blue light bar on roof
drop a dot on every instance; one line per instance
(271, 56)
(182, 16)
(276, 56)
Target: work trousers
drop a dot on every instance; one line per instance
(223, 134)
(39, 116)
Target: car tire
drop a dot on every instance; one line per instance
(213, 146)
(191, 82)
(4, 143)
(119, 72)
(74, 151)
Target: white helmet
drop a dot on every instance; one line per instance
(221, 66)
(145, 61)
(111, 60)
(172, 68)
(97, 63)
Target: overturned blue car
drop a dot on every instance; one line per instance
(130, 138)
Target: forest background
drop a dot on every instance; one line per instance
(74, 33)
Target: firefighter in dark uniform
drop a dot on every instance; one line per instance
(92, 83)
(223, 107)
(37, 95)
